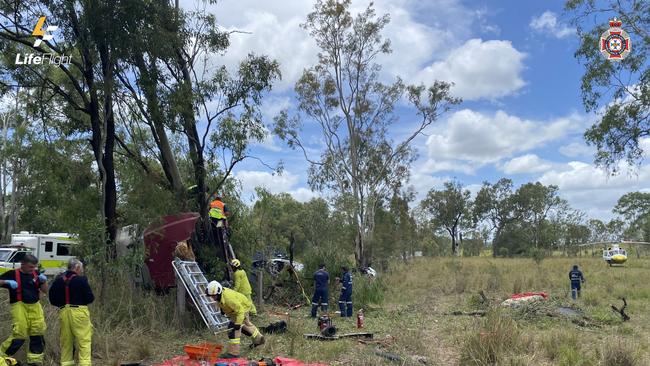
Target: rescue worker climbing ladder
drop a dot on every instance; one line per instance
(220, 229)
(72, 293)
(27, 317)
(236, 307)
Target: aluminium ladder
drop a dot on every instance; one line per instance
(195, 284)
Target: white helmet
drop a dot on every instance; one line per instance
(214, 288)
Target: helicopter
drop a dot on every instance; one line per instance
(612, 251)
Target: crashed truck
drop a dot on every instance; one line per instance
(159, 242)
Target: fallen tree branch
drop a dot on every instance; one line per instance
(621, 311)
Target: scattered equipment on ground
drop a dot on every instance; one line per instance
(523, 298)
(336, 337)
(360, 318)
(275, 328)
(203, 352)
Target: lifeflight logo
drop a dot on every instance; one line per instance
(44, 58)
(39, 32)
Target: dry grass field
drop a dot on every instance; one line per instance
(415, 320)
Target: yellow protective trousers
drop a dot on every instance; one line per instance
(253, 308)
(28, 322)
(76, 332)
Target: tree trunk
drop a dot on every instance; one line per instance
(453, 243)
(167, 158)
(3, 181)
(359, 249)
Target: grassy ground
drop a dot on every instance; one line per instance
(414, 319)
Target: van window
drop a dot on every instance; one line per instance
(48, 246)
(18, 257)
(62, 249)
(5, 254)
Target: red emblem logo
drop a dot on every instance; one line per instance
(615, 43)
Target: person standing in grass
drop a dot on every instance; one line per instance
(242, 285)
(345, 300)
(321, 291)
(71, 293)
(576, 278)
(28, 322)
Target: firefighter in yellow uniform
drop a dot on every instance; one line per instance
(27, 317)
(72, 294)
(236, 306)
(242, 285)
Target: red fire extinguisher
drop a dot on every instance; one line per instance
(360, 319)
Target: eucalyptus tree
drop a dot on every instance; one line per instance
(618, 91)
(344, 95)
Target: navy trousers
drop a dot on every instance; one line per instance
(320, 297)
(575, 289)
(345, 303)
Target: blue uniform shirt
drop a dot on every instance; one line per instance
(321, 277)
(576, 276)
(346, 283)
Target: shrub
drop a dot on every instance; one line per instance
(497, 337)
(367, 290)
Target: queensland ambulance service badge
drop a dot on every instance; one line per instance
(615, 42)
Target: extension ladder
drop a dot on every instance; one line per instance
(195, 283)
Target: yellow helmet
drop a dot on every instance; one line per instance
(235, 263)
(214, 288)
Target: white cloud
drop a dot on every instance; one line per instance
(577, 149)
(529, 163)
(422, 183)
(303, 194)
(274, 183)
(273, 29)
(433, 165)
(577, 175)
(480, 69)
(592, 189)
(481, 138)
(549, 24)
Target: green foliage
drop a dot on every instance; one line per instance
(619, 88)
(367, 290)
(447, 207)
(634, 207)
(57, 186)
(537, 255)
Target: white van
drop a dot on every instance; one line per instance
(53, 251)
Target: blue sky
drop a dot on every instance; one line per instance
(512, 63)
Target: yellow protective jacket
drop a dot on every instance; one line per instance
(241, 282)
(235, 305)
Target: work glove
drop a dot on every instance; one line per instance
(42, 278)
(228, 232)
(11, 283)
